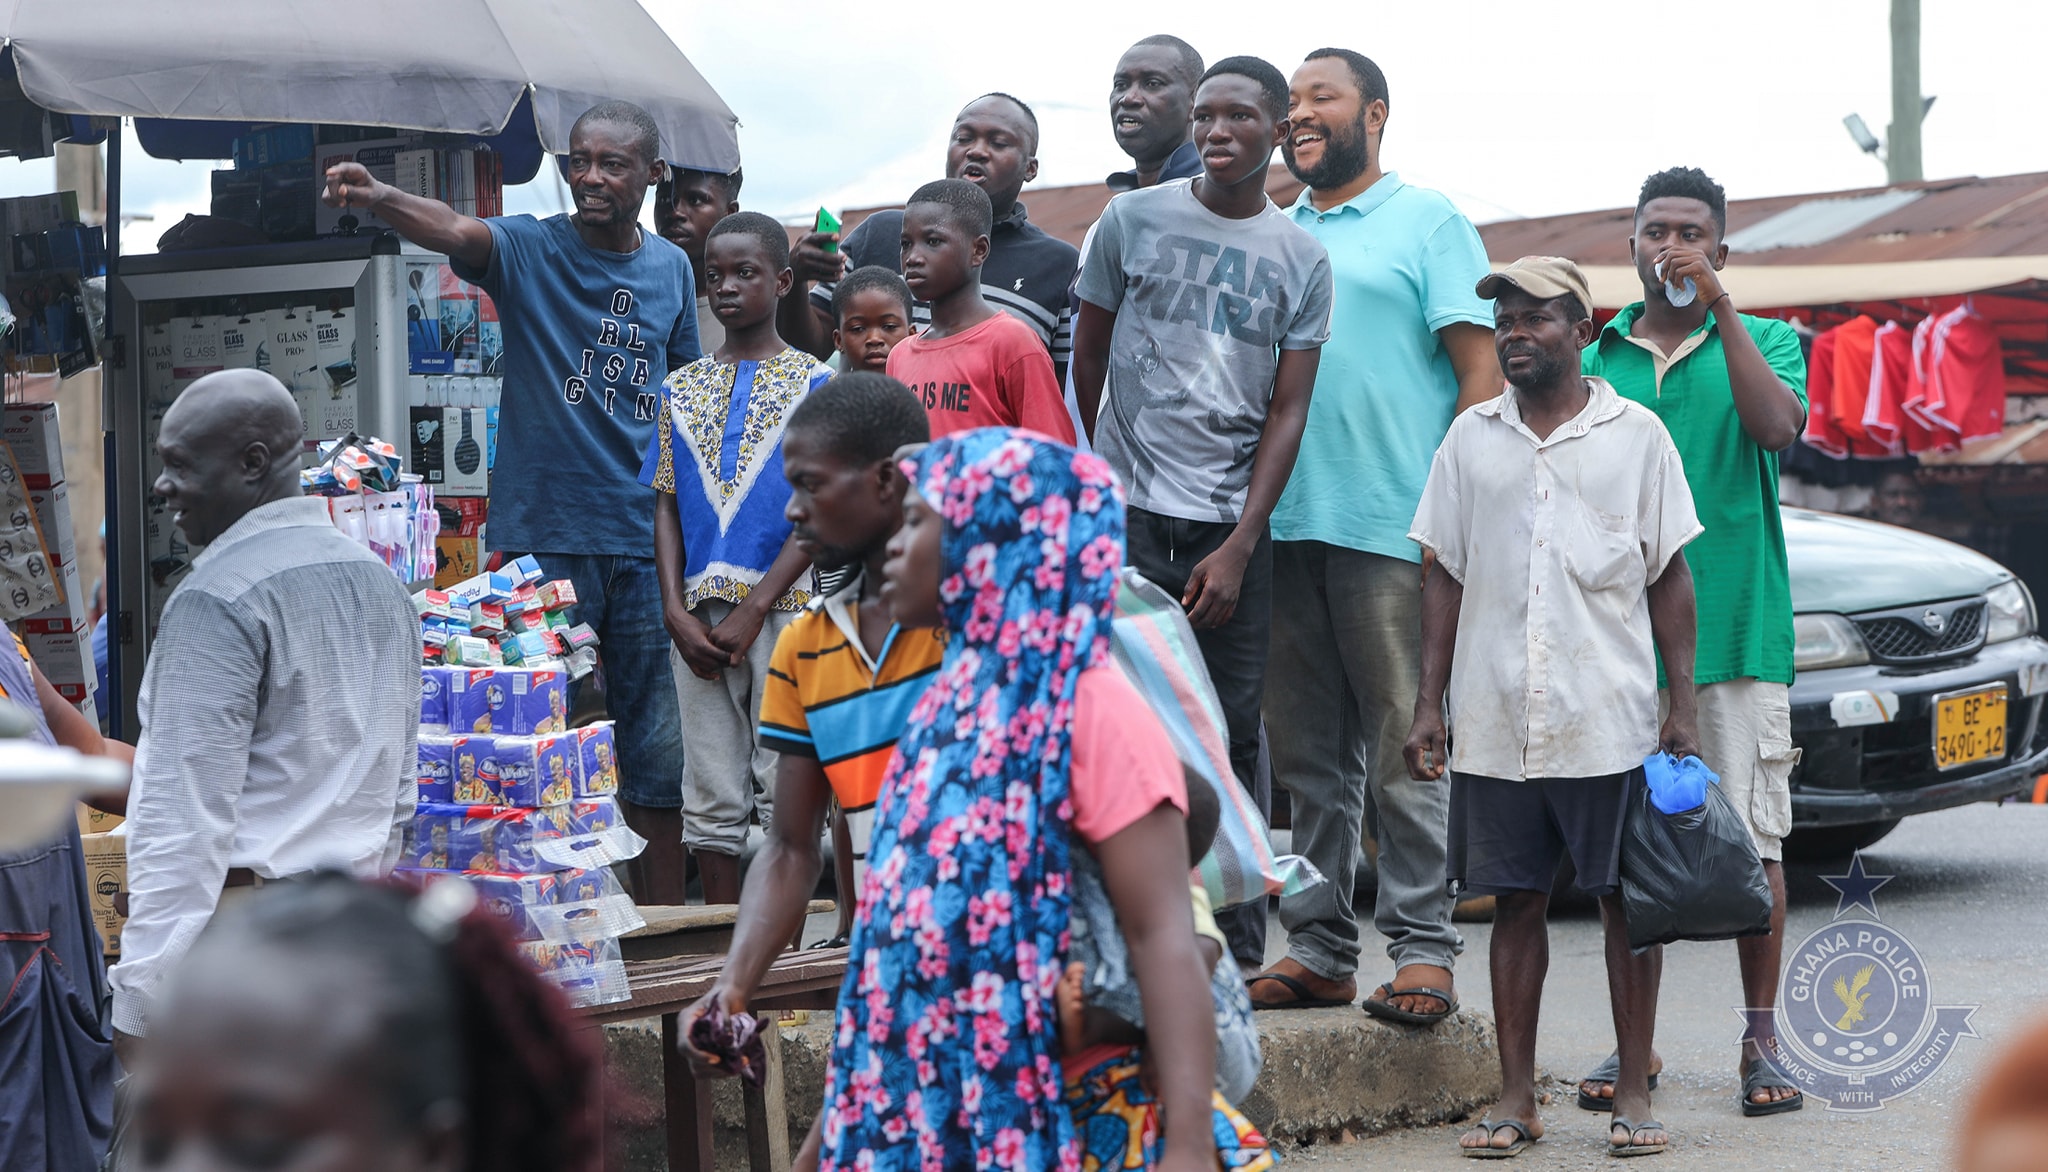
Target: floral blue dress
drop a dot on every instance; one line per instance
(945, 1055)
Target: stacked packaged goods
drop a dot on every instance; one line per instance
(511, 798)
(47, 601)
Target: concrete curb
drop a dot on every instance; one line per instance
(1334, 1074)
(1330, 1075)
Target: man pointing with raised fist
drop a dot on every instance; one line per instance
(595, 314)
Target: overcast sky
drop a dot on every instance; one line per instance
(1511, 109)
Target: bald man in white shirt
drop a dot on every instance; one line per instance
(280, 708)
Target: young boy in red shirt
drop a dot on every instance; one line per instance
(975, 366)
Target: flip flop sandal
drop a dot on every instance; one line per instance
(1633, 1148)
(1607, 1072)
(1382, 1006)
(1303, 998)
(1758, 1075)
(834, 942)
(1522, 1140)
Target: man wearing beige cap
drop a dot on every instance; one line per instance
(1557, 514)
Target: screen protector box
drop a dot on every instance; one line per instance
(30, 430)
(379, 156)
(53, 516)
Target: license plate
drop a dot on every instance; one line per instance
(1969, 727)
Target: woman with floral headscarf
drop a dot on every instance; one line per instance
(946, 1052)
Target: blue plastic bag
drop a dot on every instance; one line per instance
(1677, 784)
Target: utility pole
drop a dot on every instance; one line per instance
(1902, 140)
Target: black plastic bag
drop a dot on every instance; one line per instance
(1694, 875)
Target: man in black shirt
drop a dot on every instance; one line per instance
(995, 147)
(1150, 98)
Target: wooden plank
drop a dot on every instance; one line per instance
(688, 1102)
(663, 919)
(693, 942)
(767, 1109)
(797, 980)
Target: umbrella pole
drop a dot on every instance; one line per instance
(113, 222)
(116, 626)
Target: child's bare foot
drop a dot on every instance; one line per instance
(1067, 1002)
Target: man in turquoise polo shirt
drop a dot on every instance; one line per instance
(1731, 390)
(1411, 344)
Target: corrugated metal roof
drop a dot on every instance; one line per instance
(1068, 212)
(1818, 221)
(2005, 215)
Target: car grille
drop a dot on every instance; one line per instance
(1918, 634)
(1899, 754)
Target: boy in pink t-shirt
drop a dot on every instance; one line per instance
(975, 366)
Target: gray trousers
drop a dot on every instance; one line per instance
(1340, 694)
(727, 775)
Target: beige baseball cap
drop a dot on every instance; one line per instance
(1540, 276)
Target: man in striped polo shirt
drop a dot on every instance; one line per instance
(843, 677)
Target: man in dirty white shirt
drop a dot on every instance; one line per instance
(1557, 513)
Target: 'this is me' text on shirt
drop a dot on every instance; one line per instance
(589, 337)
(1739, 573)
(994, 374)
(1204, 304)
(1405, 262)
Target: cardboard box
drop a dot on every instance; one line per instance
(53, 515)
(462, 516)
(30, 430)
(284, 143)
(456, 559)
(64, 658)
(379, 156)
(106, 875)
(464, 470)
(91, 821)
(68, 613)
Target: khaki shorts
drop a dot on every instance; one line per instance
(1746, 737)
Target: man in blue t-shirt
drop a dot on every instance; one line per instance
(596, 312)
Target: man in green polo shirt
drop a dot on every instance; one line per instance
(1410, 346)
(1731, 390)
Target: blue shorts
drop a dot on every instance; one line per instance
(620, 597)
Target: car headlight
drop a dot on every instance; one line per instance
(2008, 612)
(1826, 640)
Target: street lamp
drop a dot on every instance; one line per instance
(1867, 142)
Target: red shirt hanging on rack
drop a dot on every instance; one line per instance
(1823, 434)
(1971, 367)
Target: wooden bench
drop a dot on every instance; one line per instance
(664, 988)
(691, 929)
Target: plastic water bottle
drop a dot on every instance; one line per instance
(1679, 296)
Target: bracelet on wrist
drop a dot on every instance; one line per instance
(1719, 300)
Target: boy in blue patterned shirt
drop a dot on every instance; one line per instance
(731, 575)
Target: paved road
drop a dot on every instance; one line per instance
(1971, 893)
